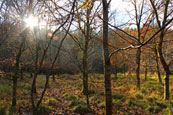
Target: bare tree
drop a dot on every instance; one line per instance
(161, 22)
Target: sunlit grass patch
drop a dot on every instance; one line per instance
(5, 89)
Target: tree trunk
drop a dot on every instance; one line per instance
(138, 59)
(21, 74)
(34, 90)
(42, 95)
(16, 74)
(53, 77)
(14, 90)
(157, 64)
(107, 65)
(85, 57)
(166, 86)
(158, 72)
(146, 71)
(31, 75)
(116, 72)
(166, 68)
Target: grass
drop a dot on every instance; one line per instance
(5, 89)
(65, 95)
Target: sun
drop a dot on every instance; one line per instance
(31, 21)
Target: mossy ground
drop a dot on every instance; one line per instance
(64, 96)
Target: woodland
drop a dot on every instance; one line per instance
(86, 57)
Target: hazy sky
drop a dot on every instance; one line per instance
(121, 8)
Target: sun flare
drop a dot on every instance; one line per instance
(31, 21)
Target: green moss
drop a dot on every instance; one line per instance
(101, 105)
(52, 102)
(149, 108)
(5, 89)
(131, 102)
(44, 110)
(99, 101)
(4, 111)
(150, 99)
(69, 96)
(81, 109)
(117, 102)
(119, 96)
(161, 105)
(144, 91)
(23, 103)
(139, 96)
(157, 109)
(96, 99)
(74, 102)
(141, 104)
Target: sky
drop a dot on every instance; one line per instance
(121, 8)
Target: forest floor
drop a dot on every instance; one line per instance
(64, 96)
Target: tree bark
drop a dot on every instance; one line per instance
(166, 68)
(146, 71)
(16, 73)
(85, 58)
(21, 74)
(53, 77)
(107, 65)
(138, 59)
(31, 75)
(116, 72)
(157, 65)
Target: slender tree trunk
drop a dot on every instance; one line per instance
(166, 86)
(42, 95)
(21, 74)
(85, 57)
(31, 75)
(34, 90)
(85, 76)
(53, 77)
(166, 68)
(146, 71)
(157, 64)
(16, 74)
(14, 90)
(138, 59)
(158, 72)
(116, 72)
(107, 65)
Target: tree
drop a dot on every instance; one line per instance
(161, 23)
(107, 64)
